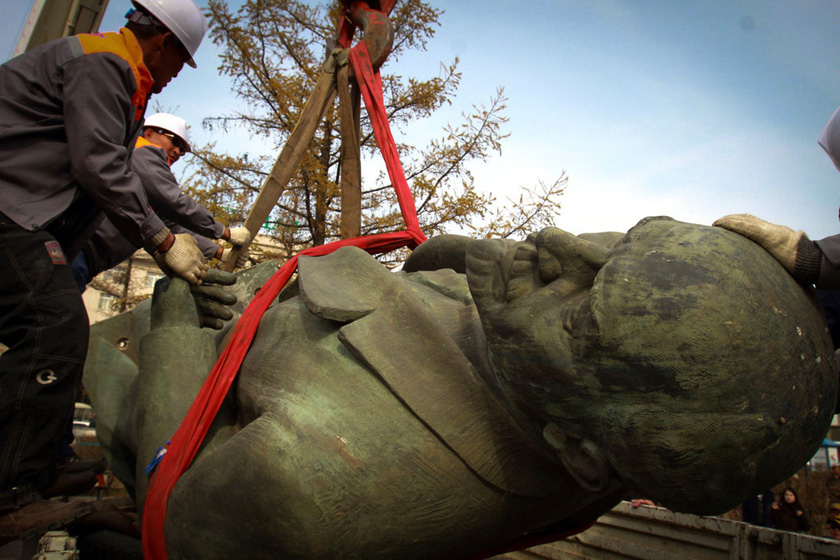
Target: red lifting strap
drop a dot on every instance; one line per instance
(187, 440)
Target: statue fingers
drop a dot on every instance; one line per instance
(214, 293)
(217, 276)
(211, 314)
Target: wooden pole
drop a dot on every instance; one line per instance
(351, 170)
(290, 156)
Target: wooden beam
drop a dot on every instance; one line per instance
(351, 170)
(290, 156)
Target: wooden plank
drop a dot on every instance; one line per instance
(660, 534)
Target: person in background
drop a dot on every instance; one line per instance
(789, 514)
(70, 111)
(834, 528)
(758, 509)
(833, 520)
(833, 484)
(164, 141)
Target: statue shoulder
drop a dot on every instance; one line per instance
(439, 252)
(345, 285)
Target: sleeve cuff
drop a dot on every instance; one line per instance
(158, 242)
(808, 261)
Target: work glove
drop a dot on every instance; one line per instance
(239, 236)
(244, 256)
(212, 301)
(182, 258)
(796, 253)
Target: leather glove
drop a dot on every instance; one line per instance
(212, 301)
(239, 236)
(183, 258)
(798, 254)
(244, 256)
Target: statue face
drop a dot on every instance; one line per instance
(535, 299)
(679, 331)
(565, 316)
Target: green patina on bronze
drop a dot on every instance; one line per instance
(489, 390)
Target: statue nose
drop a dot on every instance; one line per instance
(561, 252)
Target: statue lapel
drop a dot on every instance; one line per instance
(394, 335)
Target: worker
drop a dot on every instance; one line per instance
(70, 111)
(164, 140)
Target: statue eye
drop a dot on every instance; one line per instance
(577, 318)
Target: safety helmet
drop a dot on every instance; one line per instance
(181, 17)
(170, 123)
(830, 139)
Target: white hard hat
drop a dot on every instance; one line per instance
(170, 123)
(181, 17)
(830, 139)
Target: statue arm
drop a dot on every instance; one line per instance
(443, 251)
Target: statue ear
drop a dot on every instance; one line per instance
(584, 460)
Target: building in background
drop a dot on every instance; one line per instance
(53, 19)
(121, 288)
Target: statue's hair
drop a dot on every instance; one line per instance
(714, 367)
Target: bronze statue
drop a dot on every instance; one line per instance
(491, 390)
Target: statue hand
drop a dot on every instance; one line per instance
(441, 251)
(211, 300)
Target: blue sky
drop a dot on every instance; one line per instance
(688, 109)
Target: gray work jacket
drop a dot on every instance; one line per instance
(108, 247)
(150, 163)
(70, 111)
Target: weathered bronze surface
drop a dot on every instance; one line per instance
(489, 390)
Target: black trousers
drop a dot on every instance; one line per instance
(44, 324)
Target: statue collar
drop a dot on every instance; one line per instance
(390, 330)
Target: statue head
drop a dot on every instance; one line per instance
(682, 361)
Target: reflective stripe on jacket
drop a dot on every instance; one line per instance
(130, 52)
